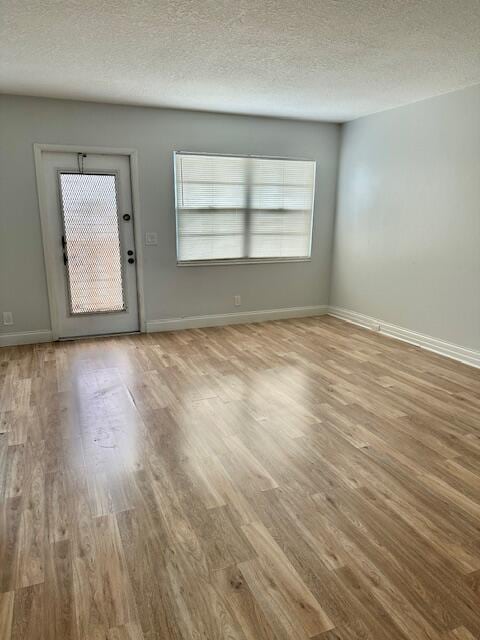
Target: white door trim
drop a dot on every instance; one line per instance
(48, 249)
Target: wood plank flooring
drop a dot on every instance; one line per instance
(278, 481)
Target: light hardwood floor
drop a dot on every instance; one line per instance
(287, 480)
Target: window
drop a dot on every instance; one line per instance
(243, 208)
(91, 242)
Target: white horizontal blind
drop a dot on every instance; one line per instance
(241, 207)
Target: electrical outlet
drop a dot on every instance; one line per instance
(7, 317)
(237, 300)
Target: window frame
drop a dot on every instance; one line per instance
(246, 260)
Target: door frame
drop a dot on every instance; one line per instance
(48, 248)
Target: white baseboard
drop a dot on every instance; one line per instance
(468, 356)
(25, 337)
(222, 319)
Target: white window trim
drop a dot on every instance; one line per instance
(239, 261)
(230, 261)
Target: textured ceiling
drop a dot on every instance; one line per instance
(320, 59)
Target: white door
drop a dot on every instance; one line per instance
(90, 220)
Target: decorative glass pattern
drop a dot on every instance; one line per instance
(92, 243)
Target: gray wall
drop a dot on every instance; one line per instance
(170, 291)
(407, 232)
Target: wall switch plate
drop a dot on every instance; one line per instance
(7, 317)
(237, 300)
(151, 238)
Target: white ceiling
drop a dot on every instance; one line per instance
(319, 59)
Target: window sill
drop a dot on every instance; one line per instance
(237, 261)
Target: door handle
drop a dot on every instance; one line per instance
(131, 260)
(64, 245)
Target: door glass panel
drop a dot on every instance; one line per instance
(92, 243)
